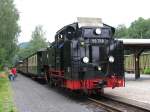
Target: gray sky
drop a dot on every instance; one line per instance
(54, 14)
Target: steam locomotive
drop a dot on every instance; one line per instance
(83, 57)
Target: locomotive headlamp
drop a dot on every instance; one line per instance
(99, 68)
(85, 59)
(111, 59)
(98, 31)
(82, 43)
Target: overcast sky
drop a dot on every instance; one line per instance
(54, 14)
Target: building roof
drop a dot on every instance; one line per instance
(136, 43)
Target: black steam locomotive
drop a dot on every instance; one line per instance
(84, 56)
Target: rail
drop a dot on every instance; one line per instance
(118, 106)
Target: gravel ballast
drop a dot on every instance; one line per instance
(30, 96)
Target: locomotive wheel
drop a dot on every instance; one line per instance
(80, 93)
(97, 92)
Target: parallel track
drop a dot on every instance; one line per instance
(123, 106)
(109, 107)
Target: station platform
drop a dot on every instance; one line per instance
(135, 90)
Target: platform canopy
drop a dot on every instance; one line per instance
(137, 46)
(136, 43)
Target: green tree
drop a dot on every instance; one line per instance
(121, 32)
(2, 55)
(37, 42)
(9, 30)
(23, 53)
(140, 28)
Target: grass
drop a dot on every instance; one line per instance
(6, 100)
(147, 71)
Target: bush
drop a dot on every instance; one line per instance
(1, 67)
(147, 71)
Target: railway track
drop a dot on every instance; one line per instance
(112, 105)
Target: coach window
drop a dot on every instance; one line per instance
(34, 59)
(60, 37)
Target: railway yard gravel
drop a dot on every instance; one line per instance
(137, 90)
(30, 96)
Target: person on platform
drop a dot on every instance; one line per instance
(11, 75)
(14, 71)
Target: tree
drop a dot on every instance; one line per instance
(140, 28)
(37, 42)
(22, 53)
(9, 30)
(121, 32)
(2, 55)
